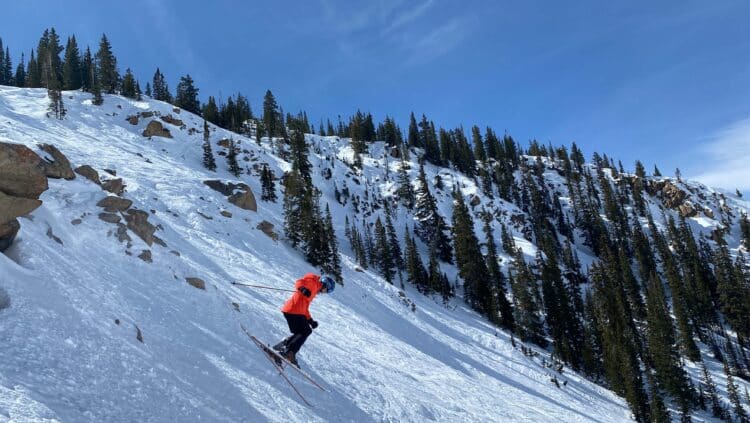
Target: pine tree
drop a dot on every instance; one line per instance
(497, 280)
(333, 264)
(393, 243)
(526, 308)
(384, 259)
(56, 107)
(234, 167)
(405, 192)
(734, 396)
(128, 85)
(96, 87)
(619, 341)
(3, 80)
(564, 327)
(271, 115)
(662, 345)
(87, 71)
(20, 77)
(106, 64)
(208, 155)
(71, 69)
(716, 408)
(48, 60)
(415, 271)
(431, 226)
(160, 87)
(294, 191)
(33, 73)
(268, 185)
(413, 140)
(187, 95)
(299, 152)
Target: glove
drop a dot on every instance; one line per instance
(313, 324)
(306, 292)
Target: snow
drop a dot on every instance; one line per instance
(68, 340)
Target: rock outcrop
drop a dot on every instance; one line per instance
(196, 282)
(238, 194)
(112, 204)
(12, 207)
(22, 180)
(171, 120)
(137, 221)
(115, 186)
(22, 172)
(89, 173)
(267, 228)
(59, 166)
(156, 129)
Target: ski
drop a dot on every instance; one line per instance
(281, 371)
(273, 353)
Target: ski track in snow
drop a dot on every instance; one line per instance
(64, 358)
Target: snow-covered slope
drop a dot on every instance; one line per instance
(68, 346)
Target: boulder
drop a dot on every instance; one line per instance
(115, 186)
(224, 143)
(22, 172)
(122, 233)
(687, 210)
(244, 200)
(156, 129)
(89, 173)
(395, 152)
(59, 166)
(145, 255)
(137, 221)
(8, 232)
(267, 228)
(238, 194)
(133, 120)
(708, 213)
(475, 201)
(196, 282)
(224, 188)
(174, 121)
(226, 213)
(114, 204)
(110, 217)
(12, 207)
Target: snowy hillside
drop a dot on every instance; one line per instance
(80, 298)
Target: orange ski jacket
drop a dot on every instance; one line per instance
(298, 303)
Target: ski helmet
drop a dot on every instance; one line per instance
(328, 283)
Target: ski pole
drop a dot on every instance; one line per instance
(262, 286)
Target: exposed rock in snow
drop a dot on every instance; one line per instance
(59, 166)
(196, 282)
(89, 173)
(21, 171)
(113, 203)
(115, 186)
(156, 129)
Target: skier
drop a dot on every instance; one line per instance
(297, 313)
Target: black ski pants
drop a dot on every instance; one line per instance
(300, 331)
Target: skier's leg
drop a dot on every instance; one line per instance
(301, 329)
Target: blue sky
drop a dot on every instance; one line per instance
(665, 82)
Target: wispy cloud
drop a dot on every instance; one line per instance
(437, 42)
(726, 163)
(396, 26)
(407, 17)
